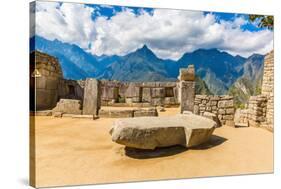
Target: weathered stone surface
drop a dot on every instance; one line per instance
(158, 92)
(213, 117)
(83, 116)
(145, 112)
(57, 114)
(116, 113)
(45, 75)
(187, 74)
(92, 97)
(186, 112)
(157, 101)
(230, 123)
(43, 113)
(151, 132)
(69, 106)
(187, 95)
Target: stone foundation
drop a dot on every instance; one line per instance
(152, 112)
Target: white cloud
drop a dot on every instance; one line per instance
(169, 33)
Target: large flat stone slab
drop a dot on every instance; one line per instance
(150, 132)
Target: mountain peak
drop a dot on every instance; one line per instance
(145, 51)
(144, 48)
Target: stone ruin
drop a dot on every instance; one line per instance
(222, 106)
(85, 97)
(200, 114)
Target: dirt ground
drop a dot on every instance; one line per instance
(73, 151)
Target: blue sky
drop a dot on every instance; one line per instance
(109, 30)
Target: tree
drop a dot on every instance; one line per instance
(263, 21)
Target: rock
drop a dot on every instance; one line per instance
(43, 113)
(145, 112)
(186, 112)
(92, 97)
(187, 95)
(69, 106)
(161, 109)
(213, 117)
(242, 124)
(116, 113)
(187, 74)
(57, 114)
(150, 132)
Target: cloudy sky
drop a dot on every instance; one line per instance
(110, 30)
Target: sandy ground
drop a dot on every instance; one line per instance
(73, 151)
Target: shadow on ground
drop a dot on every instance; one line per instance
(172, 150)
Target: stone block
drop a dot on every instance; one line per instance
(187, 74)
(213, 117)
(92, 97)
(145, 112)
(196, 109)
(146, 94)
(187, 130)
(157, 101)
(221, 111)
(158, 92)
(187, 95)
(230, 123)
(68, 106)
(57, 114)
(228, 117)
(169, 100)
(230, 111)
(116, 113)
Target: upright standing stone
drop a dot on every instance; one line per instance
(92, 97)
(187, 89)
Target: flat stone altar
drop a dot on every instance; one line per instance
(187, 130)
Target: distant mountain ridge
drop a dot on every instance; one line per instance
(249, 84)
(217, 71)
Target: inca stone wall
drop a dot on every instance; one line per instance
(71, 89)
(257, 110)
(268, 87)
(47, 73)
(222, 106)
(154, 93)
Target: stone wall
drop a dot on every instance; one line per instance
(154, 93)
(71, 89)
(268, 87)
(222, 106)
(257, 110)
(46, 73)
